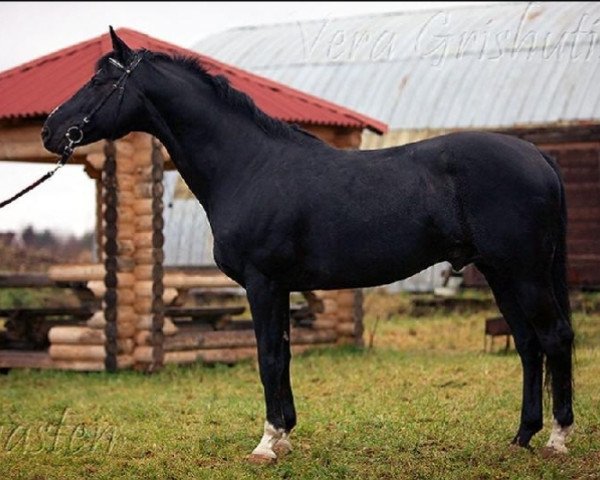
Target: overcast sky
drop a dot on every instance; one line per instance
(30, 29)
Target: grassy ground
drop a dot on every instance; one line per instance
(423, 403)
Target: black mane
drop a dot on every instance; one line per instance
(235, 99)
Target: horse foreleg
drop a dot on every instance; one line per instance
(270, 312)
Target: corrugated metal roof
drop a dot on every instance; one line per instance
(35, 88)
(486, 66)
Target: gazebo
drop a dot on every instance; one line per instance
(132, 328)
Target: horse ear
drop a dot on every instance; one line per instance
(119, 46)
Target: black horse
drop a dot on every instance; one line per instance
(290, 213)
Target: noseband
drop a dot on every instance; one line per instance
(74, 133)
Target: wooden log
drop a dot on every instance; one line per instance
(144, 173)
(127, 314)
(320, 324)
(329, 305)
(76, 335)
(230, 356)
(74, 273)
(143, 337)
(125, 345)
(239, 338)
(125, 280)
(346, 316)
(188, 356)
(158, 223)
(181, 280)
(142, 206)
(126, 215)
(127, 181)
(97, 320)
(97, 287)
(125, 330)
(345, 329)
(143, 190)
(79, 365)
(148, 255)
(170, 295)
(143, 305)
(142, 157)
(169, 328)
(126, 199)
(143, 239)
(143, 271)
(77, 352)
(125, 361)
(345, 295)
(125, 264)
(126, 296)
(142, 354)
(125, 231)
(326, 317)
(144, 222)
(158, 239)
(124, 148)
(346, 300)
(96, 160)
(143, 288)
(145, 322)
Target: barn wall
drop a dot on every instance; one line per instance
(580, 166)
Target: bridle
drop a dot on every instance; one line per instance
(74, 133)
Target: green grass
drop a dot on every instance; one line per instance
(424, 403)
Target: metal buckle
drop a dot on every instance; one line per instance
(70, 132)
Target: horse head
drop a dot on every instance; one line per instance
(107, 106)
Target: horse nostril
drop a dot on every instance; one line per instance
(45, 133)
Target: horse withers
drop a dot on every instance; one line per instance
(290, 213)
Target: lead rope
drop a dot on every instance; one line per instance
(61, 162)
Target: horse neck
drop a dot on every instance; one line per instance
(210, 143)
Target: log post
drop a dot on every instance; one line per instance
(109, 304)
(148, 241)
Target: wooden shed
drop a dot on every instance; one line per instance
(529, 69)
(132, 327)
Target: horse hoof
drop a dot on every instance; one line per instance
(515, 447)
(550, 452)
(261, 459)
(282, 447)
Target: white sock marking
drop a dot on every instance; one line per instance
(558, 437)
(268, 441)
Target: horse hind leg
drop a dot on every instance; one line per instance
(529, 349)
(543, 314)
(557, 342)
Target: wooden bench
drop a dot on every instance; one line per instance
(496, 327)
(26, 327)
(216, 317)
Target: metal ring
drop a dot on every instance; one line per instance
(69, 135)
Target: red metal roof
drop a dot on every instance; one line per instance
(35, 88)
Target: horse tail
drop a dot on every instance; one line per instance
(559, 267)
(559, 263)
